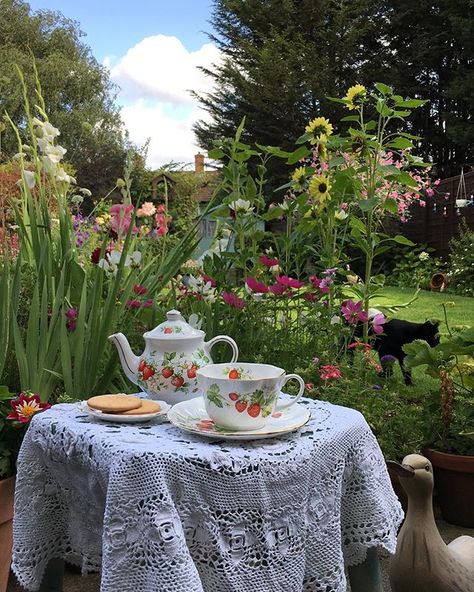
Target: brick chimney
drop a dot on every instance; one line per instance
(199, 162)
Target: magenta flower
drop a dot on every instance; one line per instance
(322, 285)
(147, 303)
(133, 304)
(233, 300)
(353, 313)
(284, 280)
(256, 286)
(139, 289)
(377, 323)
(277, 289)
(71, 314)
(268, 261)
(26, 406)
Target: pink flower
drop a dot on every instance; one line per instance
(256, 286)
(233, 300)
(284, 280)
(161, 208)
(121, 218)
(329, 371)
(377, 322)
(26, 406)
(360, 345)
(139, 289)
(277, 289)
(209, 280)
(429, 192)
(71, 314)
(133, 304)
(268, 261)
(352, 312)
(322, 285)
(162, 221)
(147, 209)
(147, 303)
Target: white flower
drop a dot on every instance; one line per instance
(134, 259)
(335, 320)
(85, 191)
(37, 122)
(49, 131)
(240, 206)
(62, 176)
(29, 179)
(55, 153)
(423, 256)
(49, 166)
(341, 215)
(114, 257)
(43, 144)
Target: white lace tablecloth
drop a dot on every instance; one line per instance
(159, 510)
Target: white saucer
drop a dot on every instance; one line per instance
(192, 417)
(125, 418)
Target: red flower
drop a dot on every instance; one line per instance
(256, 286)
(26, 406)
(268, 261)
(147, 303)
(233, 300)
(284, 280)
(329, 371)
(95, 255)
(139, 289)
(277, 289)
(133, 303)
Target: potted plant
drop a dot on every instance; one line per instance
(15, 414)
(449, 421)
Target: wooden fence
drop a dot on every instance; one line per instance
(439, 221)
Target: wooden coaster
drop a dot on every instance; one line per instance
(114, 403)
(145, 408)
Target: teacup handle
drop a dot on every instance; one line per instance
(229, 340)
(281, 406)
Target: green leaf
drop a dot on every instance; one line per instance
(368, 204)
(350, 118)
(383, 88)
(390, 205)
(383, 109)
(298, 154)
(216, 154)
(402, 240)
(401, 143)
(411, 103)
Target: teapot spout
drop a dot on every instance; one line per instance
(128, 359)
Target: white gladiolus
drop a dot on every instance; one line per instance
(29, 179)
(63, 177)
(49, 166)
(55, 153)
(50, 132)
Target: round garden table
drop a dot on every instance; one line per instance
(156, 509)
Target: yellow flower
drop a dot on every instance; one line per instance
(354, 95)
(103, 219)
(319, 188)
(298, 176)
(320, 128)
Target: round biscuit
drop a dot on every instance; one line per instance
(145, 408)
(114, 403)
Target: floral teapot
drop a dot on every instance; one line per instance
(174, 351)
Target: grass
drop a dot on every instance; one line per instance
(428, 305)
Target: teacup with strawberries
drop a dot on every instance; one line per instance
(244, 396)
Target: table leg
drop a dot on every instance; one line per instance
(366, 576)
(53, 576)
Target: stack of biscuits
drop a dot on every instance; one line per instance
(122, 404)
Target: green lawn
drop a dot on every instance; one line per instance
(428, 305)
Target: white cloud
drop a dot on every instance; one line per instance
(155, 77)
(172, 138)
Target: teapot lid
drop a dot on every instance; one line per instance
(175, 327)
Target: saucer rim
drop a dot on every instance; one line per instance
(241, 434)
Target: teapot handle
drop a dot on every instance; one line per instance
(229, 340)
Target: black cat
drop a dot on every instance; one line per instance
(398, 333)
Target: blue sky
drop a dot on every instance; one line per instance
(152, 48)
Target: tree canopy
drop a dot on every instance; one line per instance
(282, 58)
(78, 93)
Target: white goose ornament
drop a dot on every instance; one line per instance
(423, 562)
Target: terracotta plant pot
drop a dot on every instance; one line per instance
(7, 489)
(454, 486)
(397, 488)
(438, 282)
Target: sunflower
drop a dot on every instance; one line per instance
(298, 177)
(319, 188)
(320, 128)
(355, 95)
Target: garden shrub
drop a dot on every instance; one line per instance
(414, 266)
(461, 262)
